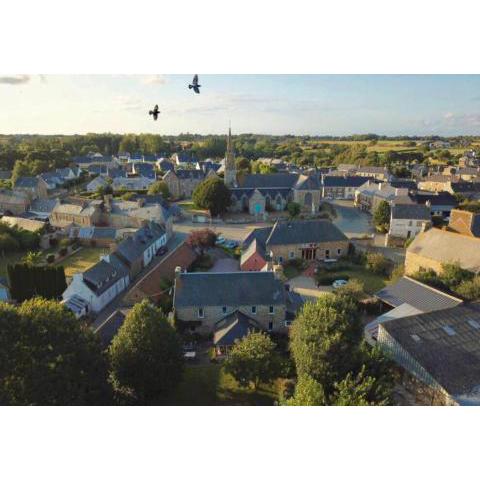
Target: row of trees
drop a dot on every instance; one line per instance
(47, 357)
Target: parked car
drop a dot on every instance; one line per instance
(339, 283)
(231, 244)
(220, 240)
(162, 251)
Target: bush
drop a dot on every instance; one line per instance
(50, 258)
(62, 251)
(377, 263)
(64, 242)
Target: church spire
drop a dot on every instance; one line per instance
(230, 175)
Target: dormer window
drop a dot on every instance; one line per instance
(254, 309)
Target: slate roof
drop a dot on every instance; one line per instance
(186, 157)
(233, 327)
(410, 211)
(446, 344)
(43, 205)
(416, 294)
(232, 289)
(271, 180)
(109, 328)
(165, 165)
(259, 234)
(101, 276)
(190, 174)
(304, 231)
(441, 198)
(402, 183)
(26, 182)
(339, 181)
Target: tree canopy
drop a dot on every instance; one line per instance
(381, 216)
(146, 355)
(159, 187)
(213, 195)
(47, 357)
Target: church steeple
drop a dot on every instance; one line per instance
(230, 175)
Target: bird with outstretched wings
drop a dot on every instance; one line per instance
(155, 112)
(195, 85)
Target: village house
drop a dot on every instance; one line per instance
(42, 208)
(369, 196)
(435, 247)
(203, 299)
(96, 183)
(184, 159)
(138, 250)
(305, 239)
(34, 187)
(340, 187)
(440, 203)
(82, 213)
(131, 183)
(98, 285)
(464, 222)
(380, 174)
(34, 226)
(440, 349)
(13, 202)
(408, 219)
(182, 183)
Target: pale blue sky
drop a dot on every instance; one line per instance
(272, 104)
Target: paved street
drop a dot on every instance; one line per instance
(352, 221)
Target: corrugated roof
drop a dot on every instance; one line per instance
(416, 294)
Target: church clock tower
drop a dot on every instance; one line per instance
(230, 174)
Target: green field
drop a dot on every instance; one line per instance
(209, 385)
(82, 260)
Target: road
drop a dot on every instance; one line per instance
(352, 221)
(174, 242)
(229, 231)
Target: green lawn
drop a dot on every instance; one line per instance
(83, 259)
(209, 385)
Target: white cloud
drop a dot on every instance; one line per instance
(14, 79)
(154, 80)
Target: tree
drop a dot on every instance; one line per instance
(8, 243)
(47, 357)
(146, 355)
(308, 393)
(381, 216)
(213, 195)
(253, 360)
(293, 209)
(353, 289)
(202, 239)
(325, 339)
(377, 263)
(354, 390)
(159, 187)
(32, 258)
(469, 289)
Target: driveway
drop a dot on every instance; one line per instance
(306, 287)
(350, 220)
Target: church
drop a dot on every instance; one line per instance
(258, 193)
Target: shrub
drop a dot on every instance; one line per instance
(377, 263)
(50, 258)
(62, 251)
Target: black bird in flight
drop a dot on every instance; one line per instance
(154, 112)
(195, 85)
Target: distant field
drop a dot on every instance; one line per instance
(82, 260)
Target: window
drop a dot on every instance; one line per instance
(271, 310)
(201, 313)
(254, 309)
(339, 251)
(288, 323)
(280, 259)
(224, 309)
(270, 326)
(327, 253)
(291, 254)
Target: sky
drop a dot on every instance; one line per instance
(265, 104)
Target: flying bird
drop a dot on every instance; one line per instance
(154, 112)
(195, 85)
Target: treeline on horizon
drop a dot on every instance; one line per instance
(33, 154)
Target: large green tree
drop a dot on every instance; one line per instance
(47, 357)
(159, 187)
(146, 355)
(381, 216)
(308, 393)
(253, 360)
(325, 339)
(213, 195)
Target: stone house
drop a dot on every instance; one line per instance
(82, 213)
(307, 240)
(369, 196)
(203, 299)
(408, 219)
(182, 183)
(435, 247)
(464, 222)
(342, 187)
(378, 173)
(34, 187)
(13, 202)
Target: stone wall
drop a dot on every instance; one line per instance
(413, 263)
(285, 251)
